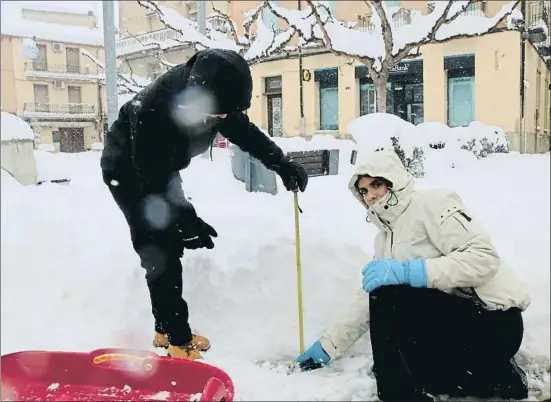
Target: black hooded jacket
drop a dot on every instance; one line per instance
(164, 126)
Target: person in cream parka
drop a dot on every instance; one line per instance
(442, 308)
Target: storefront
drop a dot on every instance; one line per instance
(404, 91)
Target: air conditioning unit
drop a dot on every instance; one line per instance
(58, 84)
(58, 47)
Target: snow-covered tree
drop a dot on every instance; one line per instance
(393, 34)
(385, 43)
(257, 43)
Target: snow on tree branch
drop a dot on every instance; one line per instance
(385, 42)
(265, 43)
(128, 83)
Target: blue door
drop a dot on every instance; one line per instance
(329, 108)
(460, 101)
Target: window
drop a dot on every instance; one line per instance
(41, 101)
(154, 70)
(333, 8)
(41, 61)
(271, 21)
(273, 84)
(460, 100)
(75, 99)
(72, 56)
(368, 98)
(331, 4)
(328, 98)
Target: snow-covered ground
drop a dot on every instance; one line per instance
(71, 280)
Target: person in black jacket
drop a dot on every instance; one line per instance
(154, 137)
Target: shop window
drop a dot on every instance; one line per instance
(460, 99)
(271, 21)
(403, 99)
(328, 98)
(368, 97)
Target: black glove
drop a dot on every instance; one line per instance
(194, 232)
(293, 175)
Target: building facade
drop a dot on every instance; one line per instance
(46, 79)
(457, 82)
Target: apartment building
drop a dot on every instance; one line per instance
(47, 80)
(464, 80)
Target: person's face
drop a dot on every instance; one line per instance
(372, 189)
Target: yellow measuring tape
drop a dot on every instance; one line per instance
(299, 275)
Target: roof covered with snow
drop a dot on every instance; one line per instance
(13, 23)
(15, 128)
(71, 7)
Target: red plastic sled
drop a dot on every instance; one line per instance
(108, 375)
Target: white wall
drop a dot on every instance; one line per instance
(18, 159)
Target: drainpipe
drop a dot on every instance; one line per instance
(100, 106)
(301, 129)
(523, 34)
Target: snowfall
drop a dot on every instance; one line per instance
(71, 280)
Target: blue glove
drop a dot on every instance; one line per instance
(392, 272)
(314, 358)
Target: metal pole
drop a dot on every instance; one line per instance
(201, 26)
(523, 34)
(301, 127)
(201, 17)
(110, 60)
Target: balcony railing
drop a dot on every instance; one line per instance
(165, 37)
(44, 66)
(59, 110)
(537, 22)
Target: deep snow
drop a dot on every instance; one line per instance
(71, 280)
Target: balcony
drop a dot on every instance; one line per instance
(165, 38)
(537, 24)
(152, 40)
(60, 111)
(44, 69)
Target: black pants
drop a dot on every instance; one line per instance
(161, 261)
(426, 341)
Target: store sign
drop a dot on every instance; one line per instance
(400, 68)
(29, 48)
(408, 67)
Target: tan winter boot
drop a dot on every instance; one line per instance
(199, 342)
(184, 352)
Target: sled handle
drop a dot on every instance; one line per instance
(116, 356)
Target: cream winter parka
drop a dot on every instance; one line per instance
(433, 225)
